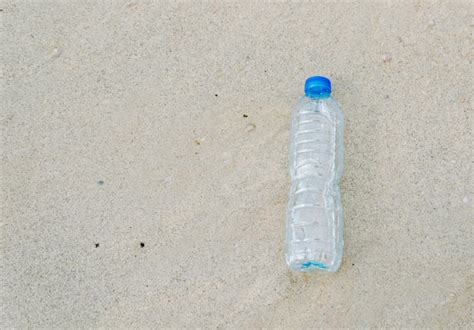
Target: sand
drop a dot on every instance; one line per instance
(144, 163)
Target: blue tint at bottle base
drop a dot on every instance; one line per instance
(313, 264)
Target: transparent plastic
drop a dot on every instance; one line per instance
(314, 219)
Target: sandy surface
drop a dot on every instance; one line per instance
(124, 124)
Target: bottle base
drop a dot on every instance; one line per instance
(313, 266)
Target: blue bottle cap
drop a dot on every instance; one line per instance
(317, 87)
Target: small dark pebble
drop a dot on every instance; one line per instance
(245, 116)
(96, 245)
(142, 244)
(353, 264)
(216, 95)
(100, 183)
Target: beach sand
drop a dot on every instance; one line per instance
(144, 163)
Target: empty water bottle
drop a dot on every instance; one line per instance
(314, 225)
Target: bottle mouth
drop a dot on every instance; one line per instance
(317, 87)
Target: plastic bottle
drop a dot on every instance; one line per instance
(314, 224)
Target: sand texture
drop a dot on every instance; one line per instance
(144, 163)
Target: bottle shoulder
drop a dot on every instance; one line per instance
(328, 105)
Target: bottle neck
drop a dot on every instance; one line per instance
(318, 96)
